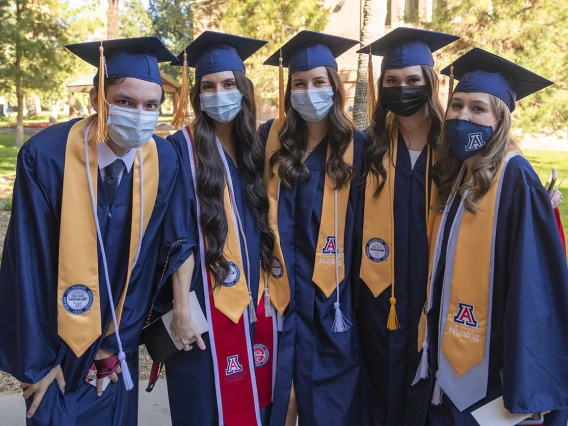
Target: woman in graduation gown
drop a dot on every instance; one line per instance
(495, 322)
(405, 127)
(224, 157)
(314, 159)
(61, 287)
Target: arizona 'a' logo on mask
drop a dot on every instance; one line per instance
(475, 141)
(465, 315)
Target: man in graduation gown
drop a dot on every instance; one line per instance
(95, 226)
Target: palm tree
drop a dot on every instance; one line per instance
(112, 20)
(374, 16)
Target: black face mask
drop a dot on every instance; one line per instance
(404, 100)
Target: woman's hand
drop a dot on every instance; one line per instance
(556, 198)
(38, 389)
(184, 330)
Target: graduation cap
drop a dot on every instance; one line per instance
(210, 53)
(305, 51)
(403, 47)
(481, 71)
(128, 57)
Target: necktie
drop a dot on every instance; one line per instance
(111, 180)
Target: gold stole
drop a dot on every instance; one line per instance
(469, 290)
(324, 265)
(232, 297)
(78, 307)
(377, 260)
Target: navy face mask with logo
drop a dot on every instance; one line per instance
(467, 138)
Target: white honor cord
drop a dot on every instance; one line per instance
(252, 306)
(128, 384)
(340, 323)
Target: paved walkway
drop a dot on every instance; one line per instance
(153, 409)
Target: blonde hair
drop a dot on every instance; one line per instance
(484, 166)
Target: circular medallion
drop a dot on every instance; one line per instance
(377, 250)
(277, 269)
(77, 299)
(233, 276)
(261, 355)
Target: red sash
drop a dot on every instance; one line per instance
(265, 349)
(560, 227)
(231, 346)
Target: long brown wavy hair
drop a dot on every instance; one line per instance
(384, 121)
(210, 177)
(484, 166)
(294, 139)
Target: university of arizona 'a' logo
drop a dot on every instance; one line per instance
(330, 245)
(465, 315)
(233, 365)
(475, 141)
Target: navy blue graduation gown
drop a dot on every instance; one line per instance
(30, 346)
(529, 321)
(390, 357)
(324, 366)
(190, 375)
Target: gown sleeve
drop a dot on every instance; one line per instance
(29, 342)
(264, 130)
(535, 377)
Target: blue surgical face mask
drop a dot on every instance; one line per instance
(467, 138)
(221, 106)
(129, 127)
(312, 104)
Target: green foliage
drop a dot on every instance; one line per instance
(33, 35)
(172, 21)
(273, 20)
(531, 33)
(135, 20)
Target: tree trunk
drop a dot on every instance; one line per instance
(19, 87)
(374, 15)
(112, 20)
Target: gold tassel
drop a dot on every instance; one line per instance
(371, 97)
(281, 113)
(392, 321)
(451, 85)
(181, 117)
(102, 107)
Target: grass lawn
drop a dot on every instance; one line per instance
(9, 121)
(8, 155)
(543, 162)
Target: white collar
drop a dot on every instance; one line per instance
(107, 156)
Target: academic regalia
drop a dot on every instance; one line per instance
(530, 297)
(323, 365)
(319, 347)
(191, 385)
(193, 395)
(31, 347)
(390, 356)
(29, 276)
(528, 291)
